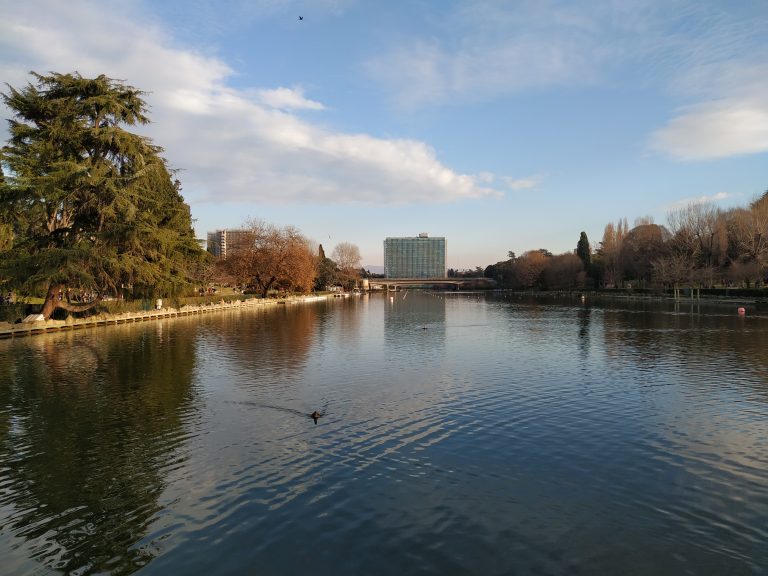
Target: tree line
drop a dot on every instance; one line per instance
(701, 246)
(268, 257)
(89, 209)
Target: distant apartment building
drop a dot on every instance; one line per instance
(414, 257)
(223, 242)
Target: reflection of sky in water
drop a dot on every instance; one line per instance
(547, 436)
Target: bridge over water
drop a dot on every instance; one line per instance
(395, 283)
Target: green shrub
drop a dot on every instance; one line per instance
(12, 313)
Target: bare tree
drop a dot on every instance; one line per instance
(694, 231)
(610, 251)
(672, 270)
(347, 257)
(750, 235)
(641, 246)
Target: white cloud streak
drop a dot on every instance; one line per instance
(712, 57)
(522, 183)
(732, 122)
(712, 199)
(491, 49)
(715, 130)
(288, 99)
(230, 144)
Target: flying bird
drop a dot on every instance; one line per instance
(301, 17)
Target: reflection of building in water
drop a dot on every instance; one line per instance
(223, 242)
(419, 257)
(414, 319)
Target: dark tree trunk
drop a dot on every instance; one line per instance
(267, 286)
(56, 299)
(51, 300)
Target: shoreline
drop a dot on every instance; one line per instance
(8, 331)
(593, 294)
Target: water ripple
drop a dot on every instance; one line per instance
(510, 436)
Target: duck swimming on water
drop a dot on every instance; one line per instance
(315, 416)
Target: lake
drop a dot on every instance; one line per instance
(460, 434)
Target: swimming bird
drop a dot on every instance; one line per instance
(315, 416)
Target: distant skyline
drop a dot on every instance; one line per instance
(502, 126)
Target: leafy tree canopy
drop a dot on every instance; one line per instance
(273, 258)
(92, 206)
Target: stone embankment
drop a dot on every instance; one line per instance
(44, 326)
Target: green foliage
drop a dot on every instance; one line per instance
(328, 274)
(583, 250)
(90, 205)
(12, 313)
(140, 305)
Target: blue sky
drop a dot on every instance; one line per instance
(501, 125)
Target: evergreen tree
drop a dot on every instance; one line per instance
(583, 251)
(93, 206)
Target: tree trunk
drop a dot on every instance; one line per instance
(267, 286)
(56, 299)
(52, 300)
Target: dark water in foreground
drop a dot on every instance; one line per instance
(461, 435)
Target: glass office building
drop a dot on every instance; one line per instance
(418, 257)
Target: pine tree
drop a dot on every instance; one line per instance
(93, 206)
(583, 251)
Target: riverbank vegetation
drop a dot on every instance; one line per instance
(90, 212)
(87, 207)
(701, 247)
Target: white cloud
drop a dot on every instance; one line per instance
(230, 144)
(522, 183)
(427, 73)
(486, 49)
(712, 199)
(490, 49)
(288, 99)
(732, 121)
(715, 130)
(723, 73)
(713, 59)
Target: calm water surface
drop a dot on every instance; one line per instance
(461, 434)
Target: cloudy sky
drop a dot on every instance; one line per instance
(501, 125)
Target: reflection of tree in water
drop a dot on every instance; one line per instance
(694, 336)
(346, 326)
(87, 426)
(585, 315)
(274, 342)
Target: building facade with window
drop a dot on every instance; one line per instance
(223, 242)
(414, 257)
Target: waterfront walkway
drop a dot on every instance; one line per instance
(44, 326)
